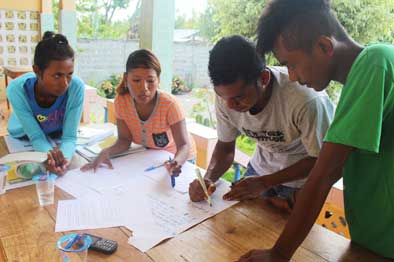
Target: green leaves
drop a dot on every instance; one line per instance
(246, 144)
(107, 88)
(95, 19)
(234, 17)
(202, 111)
(365, 20)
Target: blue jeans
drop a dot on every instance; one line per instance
(280, 191)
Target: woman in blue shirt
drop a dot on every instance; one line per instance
(48, 102)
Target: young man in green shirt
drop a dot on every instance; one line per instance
(306, 36)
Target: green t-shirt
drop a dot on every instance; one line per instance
(364, 119)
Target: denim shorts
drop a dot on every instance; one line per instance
(280, 191)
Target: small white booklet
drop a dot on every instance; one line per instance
(88, 135)
(92, 151)
(16, 145)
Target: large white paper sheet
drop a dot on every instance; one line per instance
(174, 213)
(162, 211)
(91, 184)
(101, 212)
(84, 214)
(160, 175)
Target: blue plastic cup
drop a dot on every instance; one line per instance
(74, 247)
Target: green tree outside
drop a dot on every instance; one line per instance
(367, 21)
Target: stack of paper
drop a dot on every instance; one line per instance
(89, 135)
(90, 152)
(97, 147)
(92, 139)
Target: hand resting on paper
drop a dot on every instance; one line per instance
(102, 158)
(246, 188)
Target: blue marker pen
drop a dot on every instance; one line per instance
(172, 180)
(172, 176)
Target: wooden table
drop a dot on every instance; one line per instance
(27, 234)
(13, 72)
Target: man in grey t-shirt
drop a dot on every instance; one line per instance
(287, 121)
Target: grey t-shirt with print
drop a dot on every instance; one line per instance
(290, 127)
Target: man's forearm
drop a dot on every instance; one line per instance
(307, 208)
(327, 170)
(221, 161)
(294, 172)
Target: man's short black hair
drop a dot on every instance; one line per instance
(234, 58)
(299, 22)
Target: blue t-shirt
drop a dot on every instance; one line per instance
(51, 118)
(63, 116)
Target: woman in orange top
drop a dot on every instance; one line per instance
(147, 116)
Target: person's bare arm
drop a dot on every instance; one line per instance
(122, 144)
(182, 142)
(326, 172)
(181, 138)
(221, 161)
(124, 139)
(252, 187)
(299, 170)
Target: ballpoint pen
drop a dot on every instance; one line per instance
(158, 166)
(154, 167)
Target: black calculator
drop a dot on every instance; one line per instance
(100, 244)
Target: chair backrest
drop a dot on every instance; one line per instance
(333, 218)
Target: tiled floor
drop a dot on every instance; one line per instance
(4, 115)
